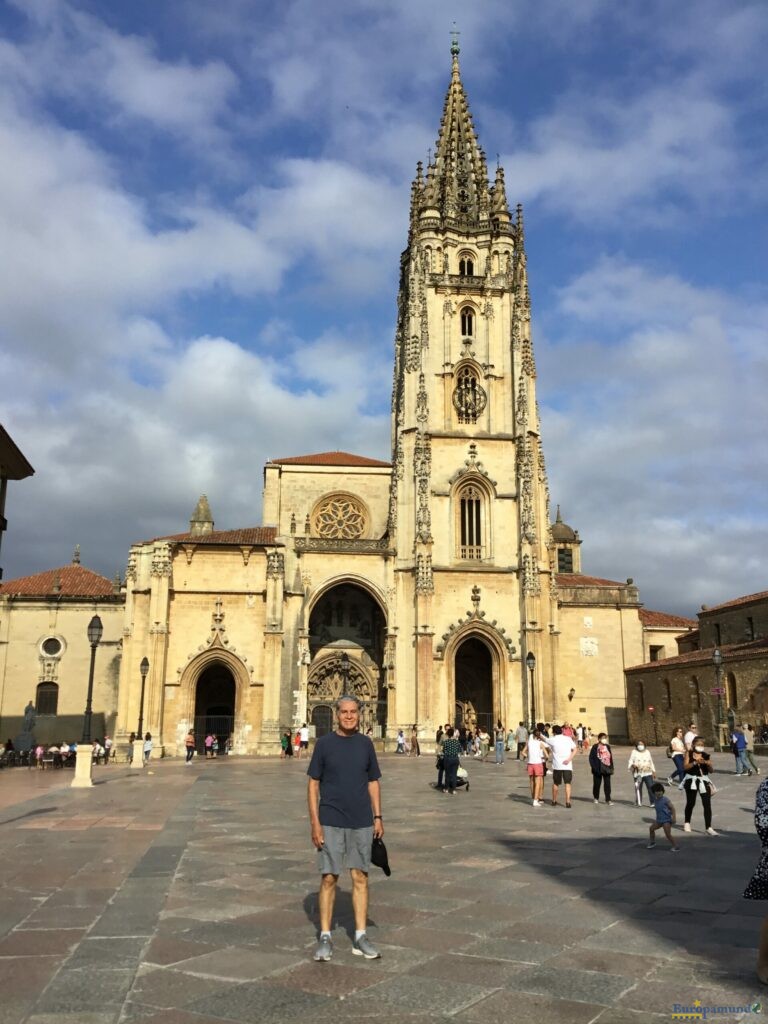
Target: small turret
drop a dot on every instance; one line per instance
(567, 544)
(202, 520)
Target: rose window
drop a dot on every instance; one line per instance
(341, 517)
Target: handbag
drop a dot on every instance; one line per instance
(439, 763)
(606, 769)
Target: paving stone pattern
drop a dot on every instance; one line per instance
(189, 896)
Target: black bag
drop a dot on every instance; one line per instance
(606, 769)
(439, 763)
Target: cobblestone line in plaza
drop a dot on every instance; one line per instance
(495, 909)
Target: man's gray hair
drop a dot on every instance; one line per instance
(348, 697)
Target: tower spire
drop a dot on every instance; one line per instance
(458, 188)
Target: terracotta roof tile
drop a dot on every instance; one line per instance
(330, 459)
(730, 652)
(747, 599)
(660, 619)
(75, 581)
(576, 579)
(255, 536)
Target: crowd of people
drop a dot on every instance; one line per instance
(57, 755)
(551, 748)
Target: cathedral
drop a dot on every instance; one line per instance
(435, 586)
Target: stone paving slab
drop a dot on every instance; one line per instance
(190, 897)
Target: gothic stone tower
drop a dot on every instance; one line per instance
(469, 497)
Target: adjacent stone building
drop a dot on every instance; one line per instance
(691, 686)
(45, 653)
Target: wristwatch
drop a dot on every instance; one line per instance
(377, 817)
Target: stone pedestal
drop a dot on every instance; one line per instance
(137, 755)
(83, 767)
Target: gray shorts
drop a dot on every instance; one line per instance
(350, 847)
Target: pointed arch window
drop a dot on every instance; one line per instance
(466, 265)
(471, 526)
(467, 322)
(469, 397)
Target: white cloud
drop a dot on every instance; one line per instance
(612, 156)
(77, 56)
(654, 423)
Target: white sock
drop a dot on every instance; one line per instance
(325, 935)
(358, 934)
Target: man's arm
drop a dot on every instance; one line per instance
(374, 792)
(313, 798)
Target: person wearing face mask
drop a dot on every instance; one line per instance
(643, 772)
(601, 763)
(698, 766)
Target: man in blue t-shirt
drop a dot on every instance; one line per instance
(344, 800)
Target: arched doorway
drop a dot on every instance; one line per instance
(322, 719)
(347, 637)
(474, 685)
(215, 705)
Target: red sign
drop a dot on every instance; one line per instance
(651, 708)
(718, 691)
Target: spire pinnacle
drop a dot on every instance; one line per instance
(202, 520)
(455, 41)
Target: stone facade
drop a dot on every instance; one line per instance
(680, 688)
(45, 653)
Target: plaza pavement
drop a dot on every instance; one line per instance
(188, 896)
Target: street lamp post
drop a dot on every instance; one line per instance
(83, 761)
(137, 757)
(530, 661)
(717, 661)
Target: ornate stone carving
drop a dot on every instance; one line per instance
(525, 471)
(130, 569)
(331, 677)
(422, 467)
(472, 467)
(161, 561)
(379, 545)
(473, 618)
(531, 584)
(425, 583)
(275, 565)
(340, 516)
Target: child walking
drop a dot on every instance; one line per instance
(665, 817)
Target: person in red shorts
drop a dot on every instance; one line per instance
(536, 752)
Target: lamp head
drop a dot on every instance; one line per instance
(717, 657)
(95, 631)
(530, 660)
(144, 667)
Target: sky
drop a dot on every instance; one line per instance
(202, 209)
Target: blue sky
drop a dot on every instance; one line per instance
(202, 220)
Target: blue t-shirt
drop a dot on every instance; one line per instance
(663, 810)
(344, 765)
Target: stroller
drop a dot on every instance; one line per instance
(462, 777)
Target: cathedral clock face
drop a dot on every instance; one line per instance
(469, 397)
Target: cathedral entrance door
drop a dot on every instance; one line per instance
(322, 719)
(474, 685)
(215, 706)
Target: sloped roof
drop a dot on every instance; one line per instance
(747, 599)
(330, 459)
(576, 579)
(75, 581)
(664, 619)
(255, 536)
(730, 652)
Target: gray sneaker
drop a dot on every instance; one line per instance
(364, 947)
(324, 949)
